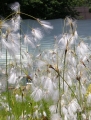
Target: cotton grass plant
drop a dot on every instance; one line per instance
(59, 85)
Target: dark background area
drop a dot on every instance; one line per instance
(44, 9)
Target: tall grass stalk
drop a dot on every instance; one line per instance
(8, 93)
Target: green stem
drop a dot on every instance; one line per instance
(28, 15)
(9, 16)
(22, 105)
(70, 89)
(80, 93)
(64, 69)
(59, 97)
(20, 50)
(59, 87)
(8, 94)
(66, 83)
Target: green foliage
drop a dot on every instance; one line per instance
(25, 107)
(76, 3)
(44, 9)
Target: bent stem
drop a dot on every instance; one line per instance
(65, 82)
(28, 15)
(70, 89)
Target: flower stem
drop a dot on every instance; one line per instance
(8, 94)
(64, 68)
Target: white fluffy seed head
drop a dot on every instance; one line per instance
(13, 77)
(37, 94)
(53, 108)
(82, 49)
(45, 24)
(36, 32)
(15, 6)
(28, 41)
(55, 116)
(73, 107)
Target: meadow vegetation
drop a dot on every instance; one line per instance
(58, 83)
